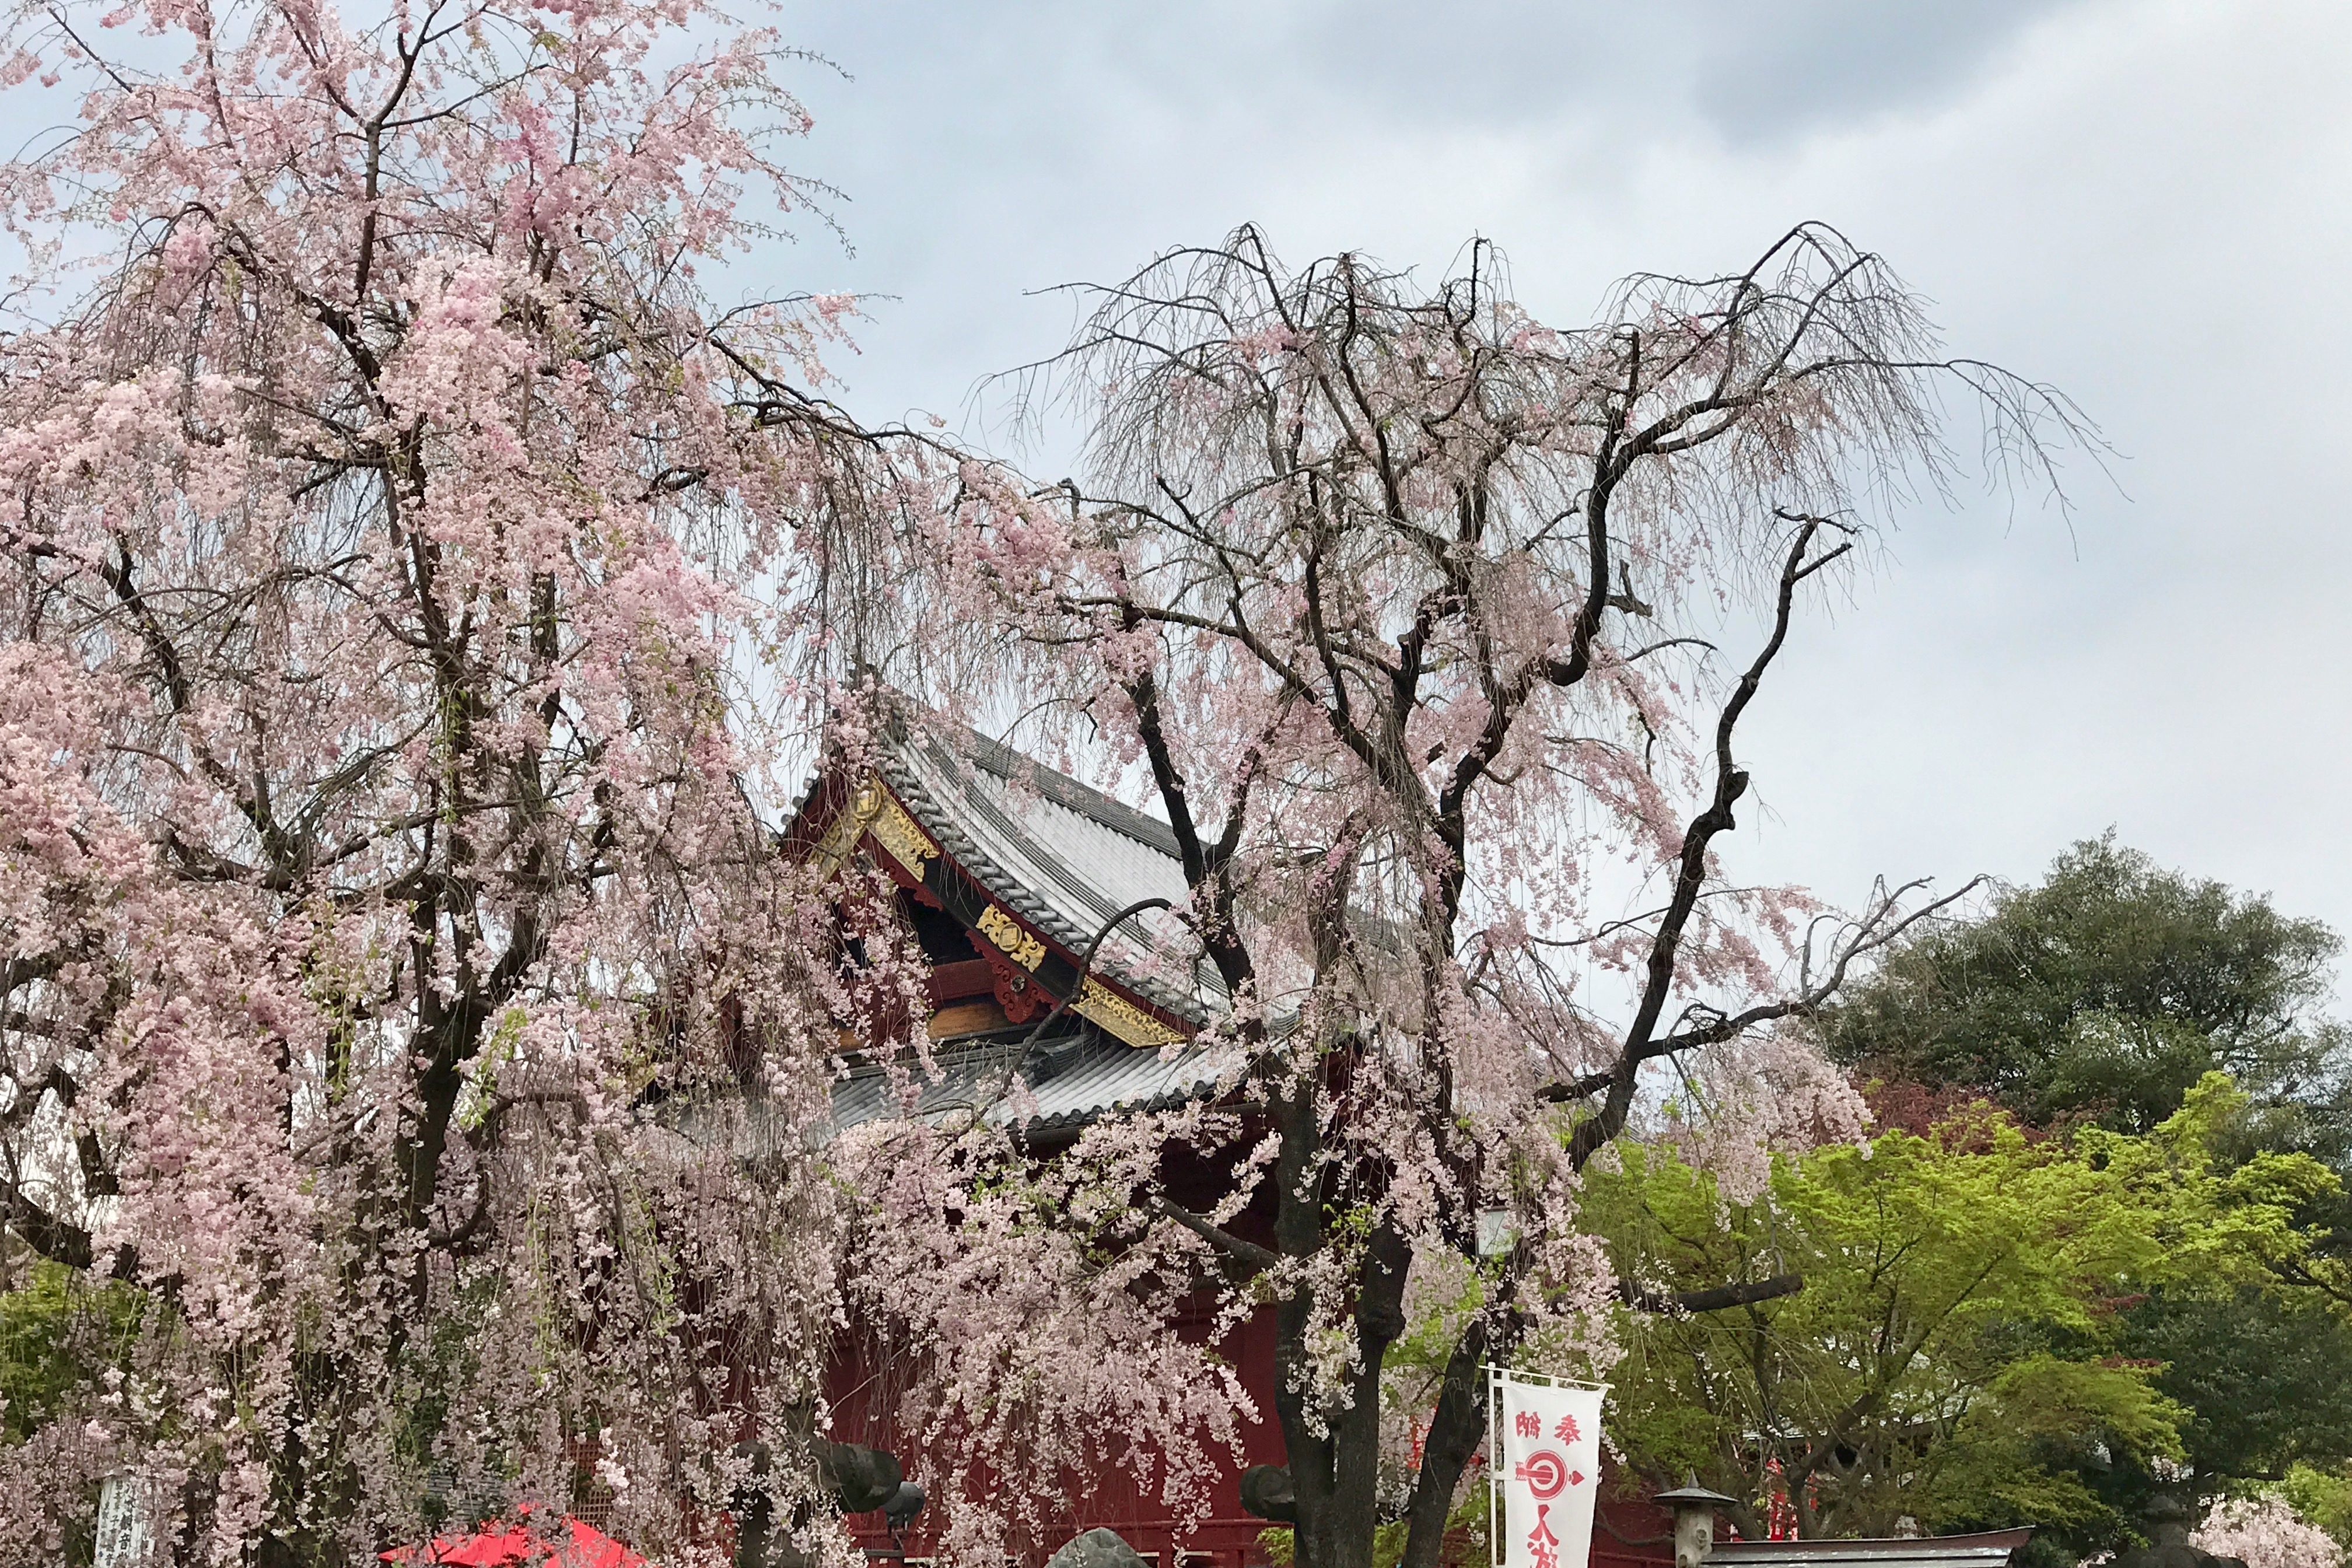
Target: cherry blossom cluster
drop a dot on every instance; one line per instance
(2266, 1533)
(1429, 629)
(414, 577)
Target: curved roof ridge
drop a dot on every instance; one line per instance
(939, 818)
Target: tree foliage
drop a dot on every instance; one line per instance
(2266, 1533)
(1956, 1354)
(394, 532)
(2258, 1375)
(410, 566)
(2107, 992)
(1399, 605)
(2102, 993)
(56, 1329)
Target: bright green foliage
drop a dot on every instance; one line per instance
(37, 1366)
(2323, 1496)
(54, 1328)
(1951, 1355)
(2106, 993)
(2102, 995)
(2034, 1447)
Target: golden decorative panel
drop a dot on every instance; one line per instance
(896, 832)
(848, 826)
(1122, 1017)
(1012, 940)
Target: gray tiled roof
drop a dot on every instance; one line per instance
(1991, 1549)
(1068, 1084)
(1064, 857)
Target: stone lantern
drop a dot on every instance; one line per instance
(1693, 1508)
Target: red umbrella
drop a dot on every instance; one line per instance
(495, 1545)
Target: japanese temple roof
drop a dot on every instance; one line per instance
(1065, 1088)
(1056, 858)
(1065, 857)
(1990, 1548)
(1030, 863)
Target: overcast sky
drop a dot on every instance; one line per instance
(2144, 203)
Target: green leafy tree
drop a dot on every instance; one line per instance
(54, 1326)
(2322, 1497)
(2105, 993)
(2261, 1375)
(1954, 1354)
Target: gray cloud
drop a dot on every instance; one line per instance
(1753, 73)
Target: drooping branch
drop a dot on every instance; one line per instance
(1421, 518)
(1715, 1298)
(399, 563)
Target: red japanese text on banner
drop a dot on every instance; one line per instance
(1547, 1473)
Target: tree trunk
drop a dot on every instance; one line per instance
(1334, 1473)
(1456, 1429)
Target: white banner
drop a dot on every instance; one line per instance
(1547, 1471)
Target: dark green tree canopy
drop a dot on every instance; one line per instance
(2104, 994)
(2259, 1377)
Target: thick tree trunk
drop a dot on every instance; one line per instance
(1456, 1427)
(1334, 1471)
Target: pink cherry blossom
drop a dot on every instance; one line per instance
(1430, 631)
(2267, 1532)
(414, 576)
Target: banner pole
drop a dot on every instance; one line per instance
(1494, 1552)
(1545, 1378)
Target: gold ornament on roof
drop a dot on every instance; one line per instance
(848, 827)
(898, 833)
(1122, 1017)
(1011, 939)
